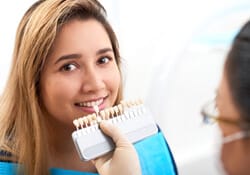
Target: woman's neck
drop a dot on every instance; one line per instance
(62, 151)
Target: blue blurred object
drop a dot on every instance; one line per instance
(155, 156)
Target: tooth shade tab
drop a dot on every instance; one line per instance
(76, 123)
(102, 114)
(116, 110)
(99, 119)
(81, 122)
(86, 121)
(107, 113)
(94, 116)
(96, 108)
(120, 108)
(112, 112)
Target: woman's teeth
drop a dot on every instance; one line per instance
(91, 103)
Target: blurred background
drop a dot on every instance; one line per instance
(173, 54)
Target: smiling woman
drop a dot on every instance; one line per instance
(65, 60)
(66, 63)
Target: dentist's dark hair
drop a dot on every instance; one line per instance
(237, 68)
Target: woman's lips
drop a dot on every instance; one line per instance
(88, 106)
(90, 103)
(91, 109)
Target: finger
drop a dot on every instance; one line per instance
(100, 161)
(114, 132)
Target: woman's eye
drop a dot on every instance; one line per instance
(69, 67)
(103, 60)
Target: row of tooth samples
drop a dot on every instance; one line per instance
(126, 109)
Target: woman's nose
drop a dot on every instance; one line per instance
(92, 81)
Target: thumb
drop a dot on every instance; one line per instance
(114, 132)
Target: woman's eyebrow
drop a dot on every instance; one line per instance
(69, 56)
(104, 50)
(77, 55)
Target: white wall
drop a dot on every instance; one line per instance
(10, 14)
(173, 55)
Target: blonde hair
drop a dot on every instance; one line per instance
(22, 125)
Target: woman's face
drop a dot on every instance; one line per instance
(233, 154)
(80, 72)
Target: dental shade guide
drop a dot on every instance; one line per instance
(131, 118)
